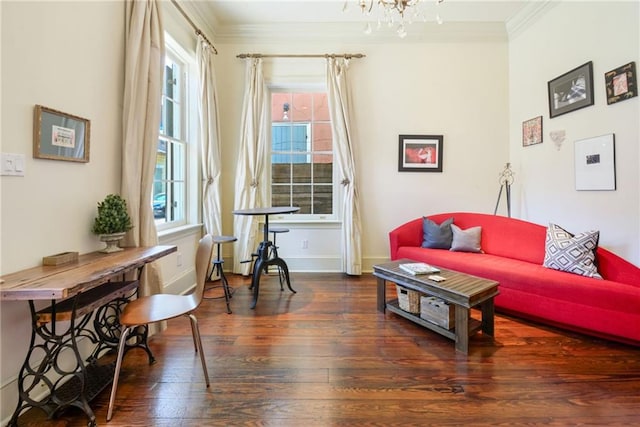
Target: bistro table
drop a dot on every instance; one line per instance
(263, 260)
(95, 283)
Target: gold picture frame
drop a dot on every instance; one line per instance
(60, 136)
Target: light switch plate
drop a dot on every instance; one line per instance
(12, 164)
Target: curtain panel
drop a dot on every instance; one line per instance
(144, 63)
(251, 185)
(340, 112)
(209, 139)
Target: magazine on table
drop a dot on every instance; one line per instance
(417, 268)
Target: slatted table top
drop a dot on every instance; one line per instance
(67, 280)
(459, 288)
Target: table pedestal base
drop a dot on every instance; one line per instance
(262, 265)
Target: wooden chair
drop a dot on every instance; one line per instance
(159, 307)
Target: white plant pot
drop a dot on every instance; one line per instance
(112, 242)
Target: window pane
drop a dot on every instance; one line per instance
(302, 198)
(301, 107)
(281, 195)
(159, 201)
(322, 137)
(323, 173)
(280, 172)
(302, 173)
(172, 119)
(322, 199)
(169, 80)
(281, 138)
(299, 138)
(320, 107)
(177, 202)
(179, 161)
(281, 107)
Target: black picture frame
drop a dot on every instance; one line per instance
(60, 136)
(571, 91)
(420, 153)
(621, 83)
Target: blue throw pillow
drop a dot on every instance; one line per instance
(436, 236)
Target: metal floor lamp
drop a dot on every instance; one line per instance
(505, 179)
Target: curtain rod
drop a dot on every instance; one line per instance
(326, 55)
(198, 32)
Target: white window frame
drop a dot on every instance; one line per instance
(189, 129)
(336, 200)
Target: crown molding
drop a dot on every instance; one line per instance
(527, 16)
(352, 33)
(200, 14)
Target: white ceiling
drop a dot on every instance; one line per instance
(305, 19)
(244, 12)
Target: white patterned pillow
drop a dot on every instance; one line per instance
(571, 253)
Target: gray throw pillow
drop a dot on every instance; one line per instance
(466, 240)
(436, 236)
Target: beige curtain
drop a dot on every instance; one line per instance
(340, 111)
(251, 186)
(209, 139)
(144, 62)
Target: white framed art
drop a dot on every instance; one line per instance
(595, 163)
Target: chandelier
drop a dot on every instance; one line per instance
(390, 12)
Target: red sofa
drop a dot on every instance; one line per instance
(513, 255)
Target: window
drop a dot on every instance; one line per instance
(170, 185)
(301, 153)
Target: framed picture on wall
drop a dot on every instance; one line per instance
(532, 131)
(571, 91)
(420, 153)
(60, 136)
(595, 162)
(621, 83)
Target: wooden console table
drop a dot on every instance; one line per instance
(96, 282)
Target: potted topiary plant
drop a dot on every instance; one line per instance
(112, 222)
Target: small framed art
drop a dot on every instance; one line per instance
(60, 136)
(420, 153)
(622, 83)
(532, 131)
(595, 162)
(571, 91)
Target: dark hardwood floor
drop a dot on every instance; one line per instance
(326, 357)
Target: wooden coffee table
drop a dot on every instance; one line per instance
(462, 290)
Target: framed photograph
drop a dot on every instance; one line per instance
(571, 91)
(621, 83)
(60, 136)
(420, 153)
(595, 163)
(532, 131)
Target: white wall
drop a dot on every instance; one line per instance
(454, 89)
(476, 93)
(566, 36)
(67, 56)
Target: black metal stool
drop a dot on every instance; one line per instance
(273, 251)
(217, 268)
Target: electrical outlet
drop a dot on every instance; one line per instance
(305, 244)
